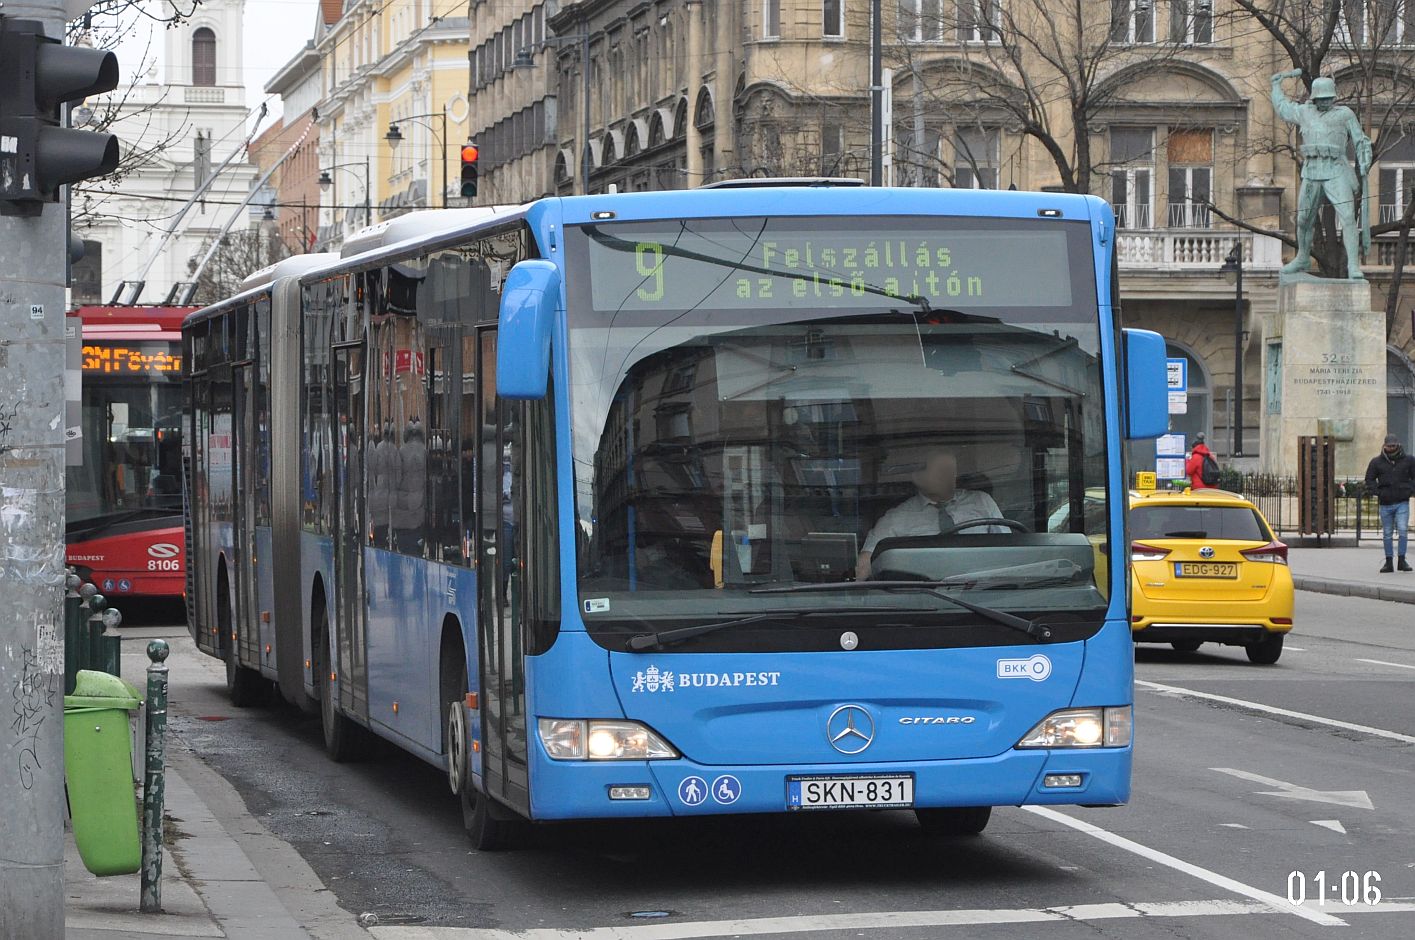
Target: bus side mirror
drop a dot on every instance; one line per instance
(1146, 386)
(529, 302)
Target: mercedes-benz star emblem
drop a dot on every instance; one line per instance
(1206, 552)
(850, 729)
(848, 640)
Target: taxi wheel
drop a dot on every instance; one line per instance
(954, 820)
(1266, 651)
(1187, 646)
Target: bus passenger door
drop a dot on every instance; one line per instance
(502, 656)
(245, 623)
(349, 528)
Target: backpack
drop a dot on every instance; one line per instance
(1208, 471)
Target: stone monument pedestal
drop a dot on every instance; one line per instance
(1324, 367)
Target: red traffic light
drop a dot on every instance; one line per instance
(470, 153)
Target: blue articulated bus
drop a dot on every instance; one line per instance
(747, 499)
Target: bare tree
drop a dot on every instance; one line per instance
(240, 254)
(1050, 70)
(109, 25)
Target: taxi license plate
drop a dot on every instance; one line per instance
(1206, 569)
(850, 792)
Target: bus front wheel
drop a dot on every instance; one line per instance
(954, 820)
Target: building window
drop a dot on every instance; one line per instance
(203, 57)
(1132, 153)
(979, 20)
(833, 13)
(1191, 160)
(1377, 22)
(832, 148)
(921, 20)
(1396, 167)
(1132, 21)
(975, 158)
(1198, 415)
(916, 163)
(771, 19)
(1191, 22)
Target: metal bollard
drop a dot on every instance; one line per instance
(154, 785)
(96, 606)
(112, 643)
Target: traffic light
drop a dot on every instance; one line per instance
(469, 169)
(37, 76)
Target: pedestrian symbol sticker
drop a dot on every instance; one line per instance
(692, 791)
(107, 584)
(726, 789)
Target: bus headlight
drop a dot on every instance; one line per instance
(602, 739)
(1081, 727)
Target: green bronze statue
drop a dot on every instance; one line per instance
(1326, 129)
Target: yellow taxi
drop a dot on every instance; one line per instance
(1206, 568)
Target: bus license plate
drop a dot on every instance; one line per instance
(856, 792)
(1206, 569)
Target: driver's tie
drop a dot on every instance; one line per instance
(945, 521)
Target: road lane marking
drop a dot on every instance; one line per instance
(1333, 824)
(1274, 710)
(1295, 649)
(1382, 662)
(1188, 868)
(815, 923)
(1357, 799)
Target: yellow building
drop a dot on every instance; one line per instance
(394, 111)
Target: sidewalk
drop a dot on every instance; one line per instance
(1350, 571)
(223, 873)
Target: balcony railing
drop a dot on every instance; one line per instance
(203, 94)
(1132, 215)
(1191, 249)
(1189, 215)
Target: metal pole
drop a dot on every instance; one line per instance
(585, 109)
(443, 143)
(32, 263)
(368, 197)
(154, 786)
(876, 97)
(1238, 357)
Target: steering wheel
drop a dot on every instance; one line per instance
(1012, 524)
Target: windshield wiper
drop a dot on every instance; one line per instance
(645, 641)
(1033, 628)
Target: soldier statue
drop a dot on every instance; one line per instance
(1326, 129)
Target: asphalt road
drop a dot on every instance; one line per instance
(1244, 775)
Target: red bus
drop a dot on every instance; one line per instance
(125, 525)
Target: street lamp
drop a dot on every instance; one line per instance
(395, 137)
(1233, 269)
(525, 59)
(326, 181)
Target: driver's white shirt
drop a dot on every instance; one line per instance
(918, 515)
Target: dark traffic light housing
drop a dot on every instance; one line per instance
(37, 76)
(470, 153)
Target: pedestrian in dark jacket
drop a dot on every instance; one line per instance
(1391, 476)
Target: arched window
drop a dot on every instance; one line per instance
(1198, 411)
(203, 57)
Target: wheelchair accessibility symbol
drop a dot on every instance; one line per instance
(726, 789)
(693, 791)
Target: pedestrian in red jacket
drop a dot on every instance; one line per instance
(1194, 466)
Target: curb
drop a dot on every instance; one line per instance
(1379, 592)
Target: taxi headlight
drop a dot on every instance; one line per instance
(602, 739)
(1081, 727)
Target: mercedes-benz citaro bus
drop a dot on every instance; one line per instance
(735, 500)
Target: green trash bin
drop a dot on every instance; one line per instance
(98, 770)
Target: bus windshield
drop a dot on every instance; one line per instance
(131, 433)
(761, 404)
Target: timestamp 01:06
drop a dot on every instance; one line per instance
(1348, 887)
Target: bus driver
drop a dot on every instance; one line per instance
(937, 507)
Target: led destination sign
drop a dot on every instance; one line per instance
(131, 359)
(809, 263)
